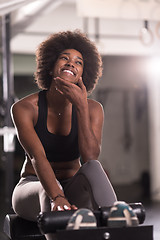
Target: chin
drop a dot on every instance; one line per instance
(70, 80)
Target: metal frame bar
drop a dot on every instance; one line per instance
(8, 91)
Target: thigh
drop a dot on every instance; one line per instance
(78, 192)
(25, 198)
(91, 182)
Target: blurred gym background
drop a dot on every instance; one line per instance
(127, 34)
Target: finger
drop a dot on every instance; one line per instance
(59, 208)
(54, 208)
(66, 207)
(58, 90)
(60, 81)
(62, 86)
(80, 83)
(74, 207)
(64, 83)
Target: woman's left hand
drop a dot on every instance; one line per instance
(75, 93)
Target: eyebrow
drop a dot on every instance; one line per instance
(69, 54)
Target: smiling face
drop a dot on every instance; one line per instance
(69, 65)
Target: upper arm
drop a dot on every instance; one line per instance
(96, 118)
(22, 114)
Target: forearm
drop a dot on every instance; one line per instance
(88, 144)
(47, 177)
(89, 116)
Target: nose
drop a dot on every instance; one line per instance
(69, 64)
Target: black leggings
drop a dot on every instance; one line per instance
(88, 188)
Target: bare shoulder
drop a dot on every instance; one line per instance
(95, 106)
(96, 111)
(28, 101)
(26, 105)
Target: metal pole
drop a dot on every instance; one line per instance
(8, 91)
(85, 26)
(97, 35)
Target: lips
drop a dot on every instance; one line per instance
(69, 71)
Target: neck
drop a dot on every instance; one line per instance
(57, 101)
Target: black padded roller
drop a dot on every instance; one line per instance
(49, 222)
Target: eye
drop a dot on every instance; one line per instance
(79, 63)
(64, 57)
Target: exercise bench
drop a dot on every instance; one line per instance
(17, 228)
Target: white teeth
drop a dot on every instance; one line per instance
(68, 71)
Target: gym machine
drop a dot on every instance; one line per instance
(17, 228)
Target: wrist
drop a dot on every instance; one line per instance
(57, 196)
(82, 106)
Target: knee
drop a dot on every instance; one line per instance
(93, 164)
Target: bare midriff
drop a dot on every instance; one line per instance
(62, 170)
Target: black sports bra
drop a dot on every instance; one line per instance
(58, 148)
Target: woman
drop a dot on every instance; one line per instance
(59, 125)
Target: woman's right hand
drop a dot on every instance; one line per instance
(62, 204)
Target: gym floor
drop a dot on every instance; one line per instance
(152, 209)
